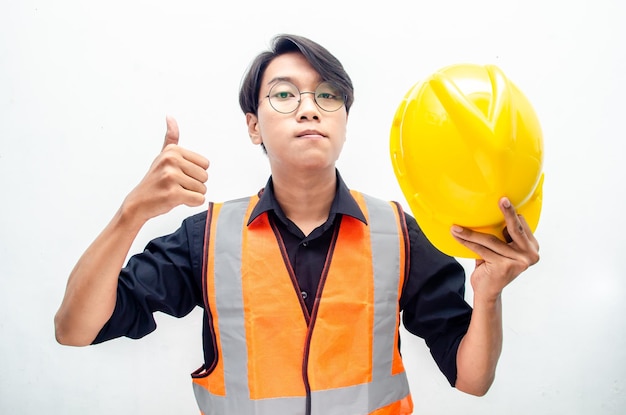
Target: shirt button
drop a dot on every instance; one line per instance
(305, 244)
(304, 295)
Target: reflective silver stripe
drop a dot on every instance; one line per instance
(229, 305)
(358, 399)
(231, 324)
(219, 405)
(384, 388)
(386, 262)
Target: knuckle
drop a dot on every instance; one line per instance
(530, 260)
(195, 200)
(170, 158)
(170, 193)
(169, 155)
(168, 175)
(535, 258)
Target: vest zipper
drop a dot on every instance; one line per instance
(309, 334)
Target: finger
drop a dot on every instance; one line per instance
(195, 158)
(483, 244)
(519, 232)
(172, 133)
(529, 233)
(195, 171)
(193, 185)
(514, 230)
(192, 198)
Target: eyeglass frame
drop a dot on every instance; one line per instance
(334, 86)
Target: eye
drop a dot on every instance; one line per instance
(283, 94)
(326, 95)
(328, 92)
(283, 91)
(329, 97)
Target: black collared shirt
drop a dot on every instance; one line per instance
(167, 277)
(307, 253)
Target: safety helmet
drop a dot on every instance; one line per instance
(460, 140)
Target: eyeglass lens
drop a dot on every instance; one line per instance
(285, 97)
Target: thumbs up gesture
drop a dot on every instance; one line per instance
(176, 177)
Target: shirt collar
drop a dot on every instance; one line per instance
(343, 203)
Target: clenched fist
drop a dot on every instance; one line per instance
(176, 177)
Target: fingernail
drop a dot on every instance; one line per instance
(506, 202)
(456, 229)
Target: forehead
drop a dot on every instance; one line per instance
(293, 67)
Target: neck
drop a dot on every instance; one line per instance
(306, 199)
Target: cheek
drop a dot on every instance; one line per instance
(267, 124)
(342, 129)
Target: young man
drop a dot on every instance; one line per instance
(303, 283)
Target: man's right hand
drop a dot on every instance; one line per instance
(176, 177)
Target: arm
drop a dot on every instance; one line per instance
(176, 177)
(433, 300)
(501, 263)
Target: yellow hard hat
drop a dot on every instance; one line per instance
(460, 140)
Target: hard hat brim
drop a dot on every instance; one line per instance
(439, 234)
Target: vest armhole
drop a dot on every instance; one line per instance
(407, 243)
(205, 251)
(208, 367)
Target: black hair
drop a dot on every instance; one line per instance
(325, 63)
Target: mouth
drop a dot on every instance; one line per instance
(310, 134)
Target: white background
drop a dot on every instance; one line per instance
(84, 90)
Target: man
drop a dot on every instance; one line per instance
(303, 283)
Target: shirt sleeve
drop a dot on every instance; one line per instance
(433, 304)
(166, 277)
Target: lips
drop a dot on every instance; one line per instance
(310, 133)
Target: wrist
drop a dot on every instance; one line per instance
(128, 216)
(488, 300)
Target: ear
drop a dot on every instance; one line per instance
(253, 128)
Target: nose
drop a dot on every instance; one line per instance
(308, 108)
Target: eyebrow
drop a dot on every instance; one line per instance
(279, 79)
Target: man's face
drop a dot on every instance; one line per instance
(308, 138)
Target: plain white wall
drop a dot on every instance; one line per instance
(84, 90)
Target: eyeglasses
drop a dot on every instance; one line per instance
(285, 97)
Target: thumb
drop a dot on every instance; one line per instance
(171, 135)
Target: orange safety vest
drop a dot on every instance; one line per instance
(275, 359)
